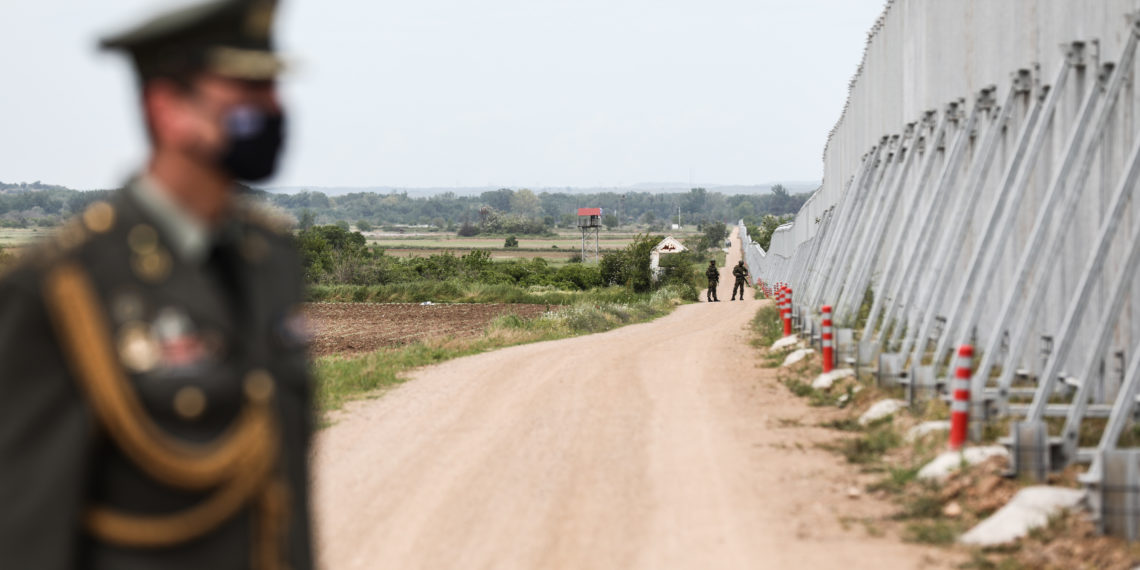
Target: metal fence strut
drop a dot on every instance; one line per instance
(877, 228)
(1122, 195)
(1015, 181)
(1044, 241)
(915, 342)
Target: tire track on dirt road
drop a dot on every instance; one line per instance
(657, 445)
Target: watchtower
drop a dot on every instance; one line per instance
(590, 222)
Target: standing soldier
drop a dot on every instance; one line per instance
(741, 274)
(714, 278)
(155, 404)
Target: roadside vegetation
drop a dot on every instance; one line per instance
(341, 266)
(342, 379)
(928, 511)
(580, 298)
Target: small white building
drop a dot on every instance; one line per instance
(667, 245)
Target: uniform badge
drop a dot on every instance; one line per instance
(138, 350)
(180, 344)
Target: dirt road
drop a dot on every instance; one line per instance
(659, 445)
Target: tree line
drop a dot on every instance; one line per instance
(521, 211)
(502, 211)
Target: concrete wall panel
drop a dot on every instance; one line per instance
(921, 56)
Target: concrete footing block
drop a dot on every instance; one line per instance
(786, 342)
(797, 356)
(880, 410)
(825, 381)
(951, 461)
(1030, 508)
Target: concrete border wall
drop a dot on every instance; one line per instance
(926, 64)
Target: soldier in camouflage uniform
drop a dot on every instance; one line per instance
(714, 278)
(740, 272)
(155, 400)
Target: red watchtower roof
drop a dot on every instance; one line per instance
(589, 211)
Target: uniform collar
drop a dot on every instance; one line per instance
(189, 238)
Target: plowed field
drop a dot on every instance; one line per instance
(349, 328)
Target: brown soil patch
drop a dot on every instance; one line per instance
(350, 328)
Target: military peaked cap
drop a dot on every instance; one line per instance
(233, 38)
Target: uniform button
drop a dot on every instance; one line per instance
(99, 217)
(149, 261)
(143, 239)
(189, 402)
(138, 349)
(152, 267)
(259, 386)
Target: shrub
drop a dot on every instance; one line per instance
(468, 229)
(630, 266)
(511, 241)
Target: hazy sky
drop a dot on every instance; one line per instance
(468, 93)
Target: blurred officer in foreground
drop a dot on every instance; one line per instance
(740, 272)
(713, 275)
(154, 388)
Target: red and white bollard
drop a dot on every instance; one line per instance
(787, 311)
(828, 343)
(960, 406)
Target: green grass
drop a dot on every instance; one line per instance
(845, 424)
(341, 379)
(767, 326)
(869, 448)
(979, 561)
(896, 480)
(799, 387)
(458, 291)
(17, 237)
(924, 505)
(935, 532)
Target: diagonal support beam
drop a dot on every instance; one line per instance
(984, 265)
(975, 183)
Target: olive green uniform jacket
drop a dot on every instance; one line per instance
(741, 274)
(713, 274)
(181, 483)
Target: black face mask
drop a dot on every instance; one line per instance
(255, 142)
